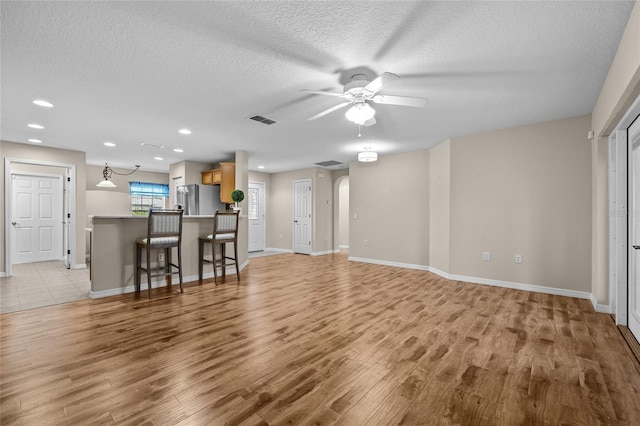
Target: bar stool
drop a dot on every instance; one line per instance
(164, 231)
(225, 230)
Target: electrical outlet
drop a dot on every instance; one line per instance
(280, 236)
(160, 257)
(486, 255)
(365, 243)
(518, 258)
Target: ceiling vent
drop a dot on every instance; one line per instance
(263, 120)
(329, 163)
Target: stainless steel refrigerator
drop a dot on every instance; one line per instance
(200, 199)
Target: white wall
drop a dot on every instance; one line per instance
(525, 191)
(391, 200)
(440, 206)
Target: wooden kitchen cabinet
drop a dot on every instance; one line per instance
(211, 177)
(227, 181)
(225, 176)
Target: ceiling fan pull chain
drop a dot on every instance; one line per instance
(359, 134)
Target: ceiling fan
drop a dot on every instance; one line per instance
(360, 90)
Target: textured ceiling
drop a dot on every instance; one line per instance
(134, 72)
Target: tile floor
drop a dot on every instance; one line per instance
(34, 285)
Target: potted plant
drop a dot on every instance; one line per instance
(237, 196)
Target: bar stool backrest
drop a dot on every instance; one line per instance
(225, 224)
(164, 226)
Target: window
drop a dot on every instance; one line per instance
(145, 195)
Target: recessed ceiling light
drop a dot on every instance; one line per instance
(261, 167)
(184, 131)
(109, 144)
(158, 158)
(177, 150)
(150, 145)
(35, 140)
(35, 126)
(43, 103)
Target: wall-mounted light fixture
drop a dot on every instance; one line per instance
(106, 175)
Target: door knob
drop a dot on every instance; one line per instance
(636, 247)
(14, 223)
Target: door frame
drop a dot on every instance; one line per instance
(69, 199)
(619, 216)
(60, 206)
(293, 206)
(263, 208)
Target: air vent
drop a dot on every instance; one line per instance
(329, 163)
(263, 120)
(150, 145)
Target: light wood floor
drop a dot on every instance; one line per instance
(318, 340)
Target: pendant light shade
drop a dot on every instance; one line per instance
(106, 183)
(106, 176)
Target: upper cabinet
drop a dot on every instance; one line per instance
(212, 177)
(225, 176)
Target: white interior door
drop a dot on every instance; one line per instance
(302, 216)
(256, 215)
(36, 218)
(634, 228)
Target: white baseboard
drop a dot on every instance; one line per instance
(159, 283)
(80, 266)
(322, 253)
(485, 281)
(605, 309)
(3, 275)
(343, 247)
(388, 263)
(279, 250)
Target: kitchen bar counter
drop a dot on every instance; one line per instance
(113, 252)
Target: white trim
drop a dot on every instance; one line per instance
(618, 214)
(3, 275)
(81, 266)
(158, 283)
(322, 253)
(388, 263)
(279, 250)
(605, 309)
(483, 281)
(343, 247)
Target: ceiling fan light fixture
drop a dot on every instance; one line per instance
(367, 156)
(360, 112)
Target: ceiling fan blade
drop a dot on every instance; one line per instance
(384, 78)
(330, 110)
(370, 122)
(400, 100)
(322, 92)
